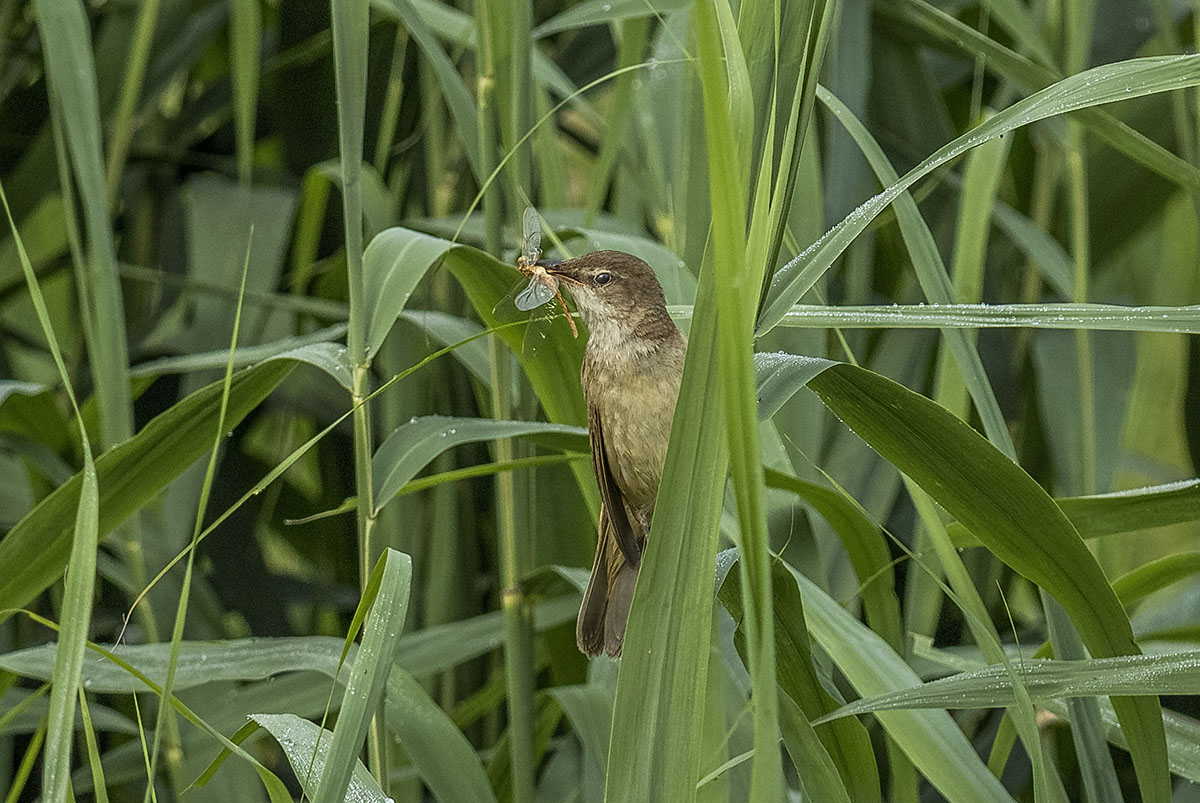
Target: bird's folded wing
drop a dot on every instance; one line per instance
(610, 492)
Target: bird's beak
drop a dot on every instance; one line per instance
(554, 268)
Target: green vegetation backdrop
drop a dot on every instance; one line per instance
(294, 503)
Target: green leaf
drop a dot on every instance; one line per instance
(1137, 509)
(958, 37)
(864, 544)
(244, 70)
(1120, 512)
(991, 687)
(1111, 317)
(72, 637)
(81, 582)
(70, 66)
(1153, 576)
(422, 653)
(779, 376)
(930, 739)
(590, 709)
(130, 475)
(596, 12)
(446, 760)
(931, 274)
(833, 764)
(367, 680)
(1011, 515)
(307, 747)
(394, 263)
(455, 92)
(312, 348)
(1110, 82)
(23, 710)
(415, 444)
(729, 126)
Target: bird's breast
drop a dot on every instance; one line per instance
(636, 402)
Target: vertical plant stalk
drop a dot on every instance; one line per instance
(518, 629)
(350, 24)
(245, 30)
(131, 91)
(1083, 344)
(71, 74)
(1078, 19)
(389, 116)
(519, 22)
(81, 571)
(164, 716)
(737, 285)
(820, 25)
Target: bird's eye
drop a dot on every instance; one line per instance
(603, 278)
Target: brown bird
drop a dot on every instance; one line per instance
(631, 372)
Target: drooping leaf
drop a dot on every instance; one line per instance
(1012, 516)
(129, 475)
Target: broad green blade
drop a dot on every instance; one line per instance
(834, 764)
(931, 739)
(1104, 84)
(1105, 317)
(421, 653)
(367, 680)
(307, 747)
(67, 47)
(1012, 516)
(991, 687)
(731, 69)
(80, 585)
(129, 475)
(415, 444)
(446, 760)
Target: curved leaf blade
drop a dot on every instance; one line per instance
(129, 475)
(1012, 516)
(415, 444)
(1105, 84)
(307, 747)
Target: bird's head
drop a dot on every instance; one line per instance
(617, 294)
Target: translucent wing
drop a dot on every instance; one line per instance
(539, 290)
(531, 240)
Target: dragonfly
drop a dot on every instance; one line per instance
(542, 287)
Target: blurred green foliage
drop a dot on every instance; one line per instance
(150, 150)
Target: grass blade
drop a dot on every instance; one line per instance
(368, 677)
(67, 46)
(1013, 516)
(81, 580)
(1104, 84)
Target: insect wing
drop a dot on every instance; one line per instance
(531, 240)
(535, 294)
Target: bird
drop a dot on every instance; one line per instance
(632, 368)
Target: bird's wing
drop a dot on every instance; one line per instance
(610, 492)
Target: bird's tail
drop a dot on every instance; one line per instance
(605, 609)
(620, 594)
(589, 627)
